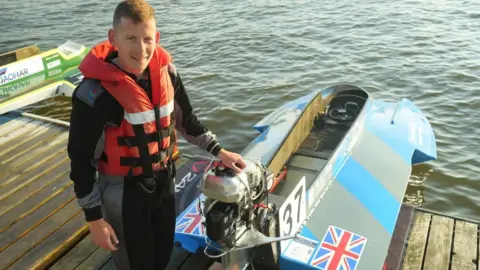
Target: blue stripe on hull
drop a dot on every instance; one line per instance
(369, 191)
(394, 135)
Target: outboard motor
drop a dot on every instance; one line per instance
(231, 207)
(238, 216)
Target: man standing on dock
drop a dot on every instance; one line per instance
(123, 125)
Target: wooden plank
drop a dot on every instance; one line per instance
(12, 174)
(26, 52)
(417, 242)
(23, 130)
(35, 194)
(46, 252)
(55, 144)
(11, 170)
(96, 260)
(439, 245)
(83, 255)
(21, 247)
(13, 125)
(27, 138)
(24, 225)
(26, 147)
(295, 138)
(25, 179)
(465, 246)
(76, 256)
(19, 54)
(102, 259)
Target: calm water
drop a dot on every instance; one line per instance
(241, 60)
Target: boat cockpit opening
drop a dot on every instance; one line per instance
(329, 129)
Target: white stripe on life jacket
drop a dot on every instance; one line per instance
(148, 116)
(167, 109)
(140, 117)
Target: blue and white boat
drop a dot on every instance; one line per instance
(347, 158)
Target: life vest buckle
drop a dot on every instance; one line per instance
(162, 159)
(128, 143)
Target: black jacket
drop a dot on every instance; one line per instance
(92, 110)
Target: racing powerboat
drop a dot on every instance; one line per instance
(322, 190)
(28, 75)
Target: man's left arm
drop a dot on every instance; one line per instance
(187, 122)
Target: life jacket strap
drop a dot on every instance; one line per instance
(136, 162)
(132, 141)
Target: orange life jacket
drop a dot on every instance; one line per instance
(145, 140)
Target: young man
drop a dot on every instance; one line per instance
(123, 122)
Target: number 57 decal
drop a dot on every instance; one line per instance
(292, 212)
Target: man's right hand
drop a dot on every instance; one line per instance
(103, 234)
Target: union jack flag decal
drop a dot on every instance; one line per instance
(339, 250)
(191, 221)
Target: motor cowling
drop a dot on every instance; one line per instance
(232, 199)
(224, 185)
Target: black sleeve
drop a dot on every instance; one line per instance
(87, 121)
(187, 122)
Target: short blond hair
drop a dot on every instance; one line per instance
(136, 10)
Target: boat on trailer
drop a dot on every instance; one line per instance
(325, 178)
(323, 187)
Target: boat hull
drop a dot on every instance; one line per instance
(354, 204)
(368, 170)
(41, 76)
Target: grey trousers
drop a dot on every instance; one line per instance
(158, 227)
(112, 194)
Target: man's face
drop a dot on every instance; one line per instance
(135, 42)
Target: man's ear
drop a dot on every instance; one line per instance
(157, 37)
(111, 36)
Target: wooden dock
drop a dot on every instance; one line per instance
(440, 242)
(42, 227)
(87, 256)
(41, 224)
